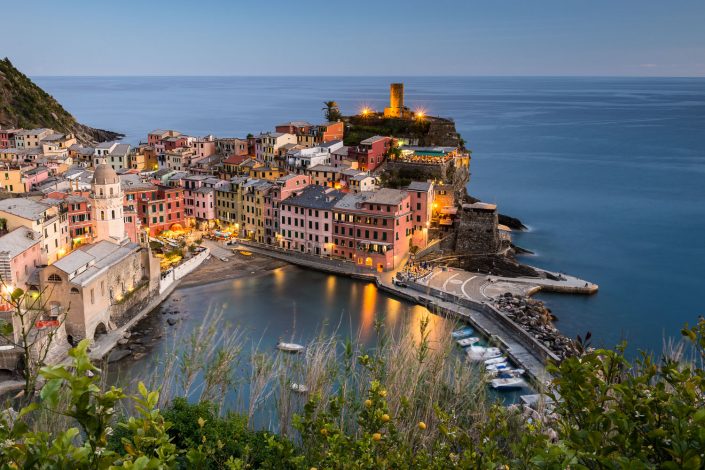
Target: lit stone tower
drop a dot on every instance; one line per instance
(396, 101)
(107, 204)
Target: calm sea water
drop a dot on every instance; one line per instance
(608, 173)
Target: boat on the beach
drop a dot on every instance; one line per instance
(6, 347)
(290, 347)
(462, 333)
(507, 383)
(298, 388)
(467, 341)
(496, 360)
(245, 253)
(482, 353)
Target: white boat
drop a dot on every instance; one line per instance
(507, 384)
(497, 366)
(509, 373)
(462, 333)
(299, 388)
(481, 353)
(6, 347)
(496, 360)
(468, 341)
(290, 347)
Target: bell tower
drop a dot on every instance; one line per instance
(107, 204)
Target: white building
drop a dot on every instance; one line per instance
(107, 205)
(299, 160)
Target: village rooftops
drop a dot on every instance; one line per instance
(373, 139)
(480, 206)
(331, 143)
(25, 208)
(420, 186)
(133, 182)
(18, 241)
(323, 168)
(387, 196)
(352, 201)
(105, 145)
(342, 151)
(84, 264)
(295, 124)
(53, 137)
(315, 197)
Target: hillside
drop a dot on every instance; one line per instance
(24, 105)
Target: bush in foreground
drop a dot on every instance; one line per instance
(608, 413)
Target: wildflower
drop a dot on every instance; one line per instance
(385, 418)
(422, 425)
(376, 436)
(368, 403)
(383, 393)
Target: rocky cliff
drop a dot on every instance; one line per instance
(24, 105)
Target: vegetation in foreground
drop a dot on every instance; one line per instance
(365, 412)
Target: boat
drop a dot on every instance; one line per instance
(6, 347)
(462, 333)
(290, 347)
(509, 373)
(468, 341)
(497, 366)
(245, 253)
(507, 384)
(496, 360)
(298, 388)
(482, 353)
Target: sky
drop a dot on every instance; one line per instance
(359, 37)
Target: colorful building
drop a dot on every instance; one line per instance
(306, 220)
(370, 153)
(373, 229)
(421, 193)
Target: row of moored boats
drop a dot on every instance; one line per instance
(502, 376)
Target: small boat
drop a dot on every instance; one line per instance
(462, 333)
(497, 367)
(6, 347)
(467, 341)
(298, 388)
(496, 360)
(290, 347)
(509, 373)
(245, 253)
(481, 353)
(507, 384)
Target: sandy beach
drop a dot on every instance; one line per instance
(236, 266)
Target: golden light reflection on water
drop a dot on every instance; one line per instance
(330, 290)
(369, 305)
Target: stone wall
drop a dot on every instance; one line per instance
(476, 231)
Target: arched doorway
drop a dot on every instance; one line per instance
(100, 330)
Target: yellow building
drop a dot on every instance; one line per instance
(267, 173)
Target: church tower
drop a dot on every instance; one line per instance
(107, 204)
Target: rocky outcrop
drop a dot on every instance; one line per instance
(25, 105)
(533, 316)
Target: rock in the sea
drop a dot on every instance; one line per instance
(117, 354)
(123, 341)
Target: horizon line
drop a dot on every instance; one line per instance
(362, 76)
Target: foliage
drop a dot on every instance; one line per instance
(331, 111)
(607, 413)
(21, 331)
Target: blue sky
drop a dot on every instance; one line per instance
(383, 37)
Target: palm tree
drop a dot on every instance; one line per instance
(332, 112)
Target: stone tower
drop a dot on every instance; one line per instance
(396, 101)
(107, 204)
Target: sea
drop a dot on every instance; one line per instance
(607, 173)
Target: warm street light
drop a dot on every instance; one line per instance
(365, 111)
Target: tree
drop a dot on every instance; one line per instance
(332, 111)
(29, 329)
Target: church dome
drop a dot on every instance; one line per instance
(104, 174)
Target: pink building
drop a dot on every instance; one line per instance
(421, 193)
(306, 220)
(373, 229)
(282, 189)
(370, 153)
(20, 254)
(199, 197)
(204, 147)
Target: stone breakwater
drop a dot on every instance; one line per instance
(534, 317)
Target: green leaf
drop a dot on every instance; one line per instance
(50, 392)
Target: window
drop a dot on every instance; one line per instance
(54, 278)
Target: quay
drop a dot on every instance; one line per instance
(455, 294)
